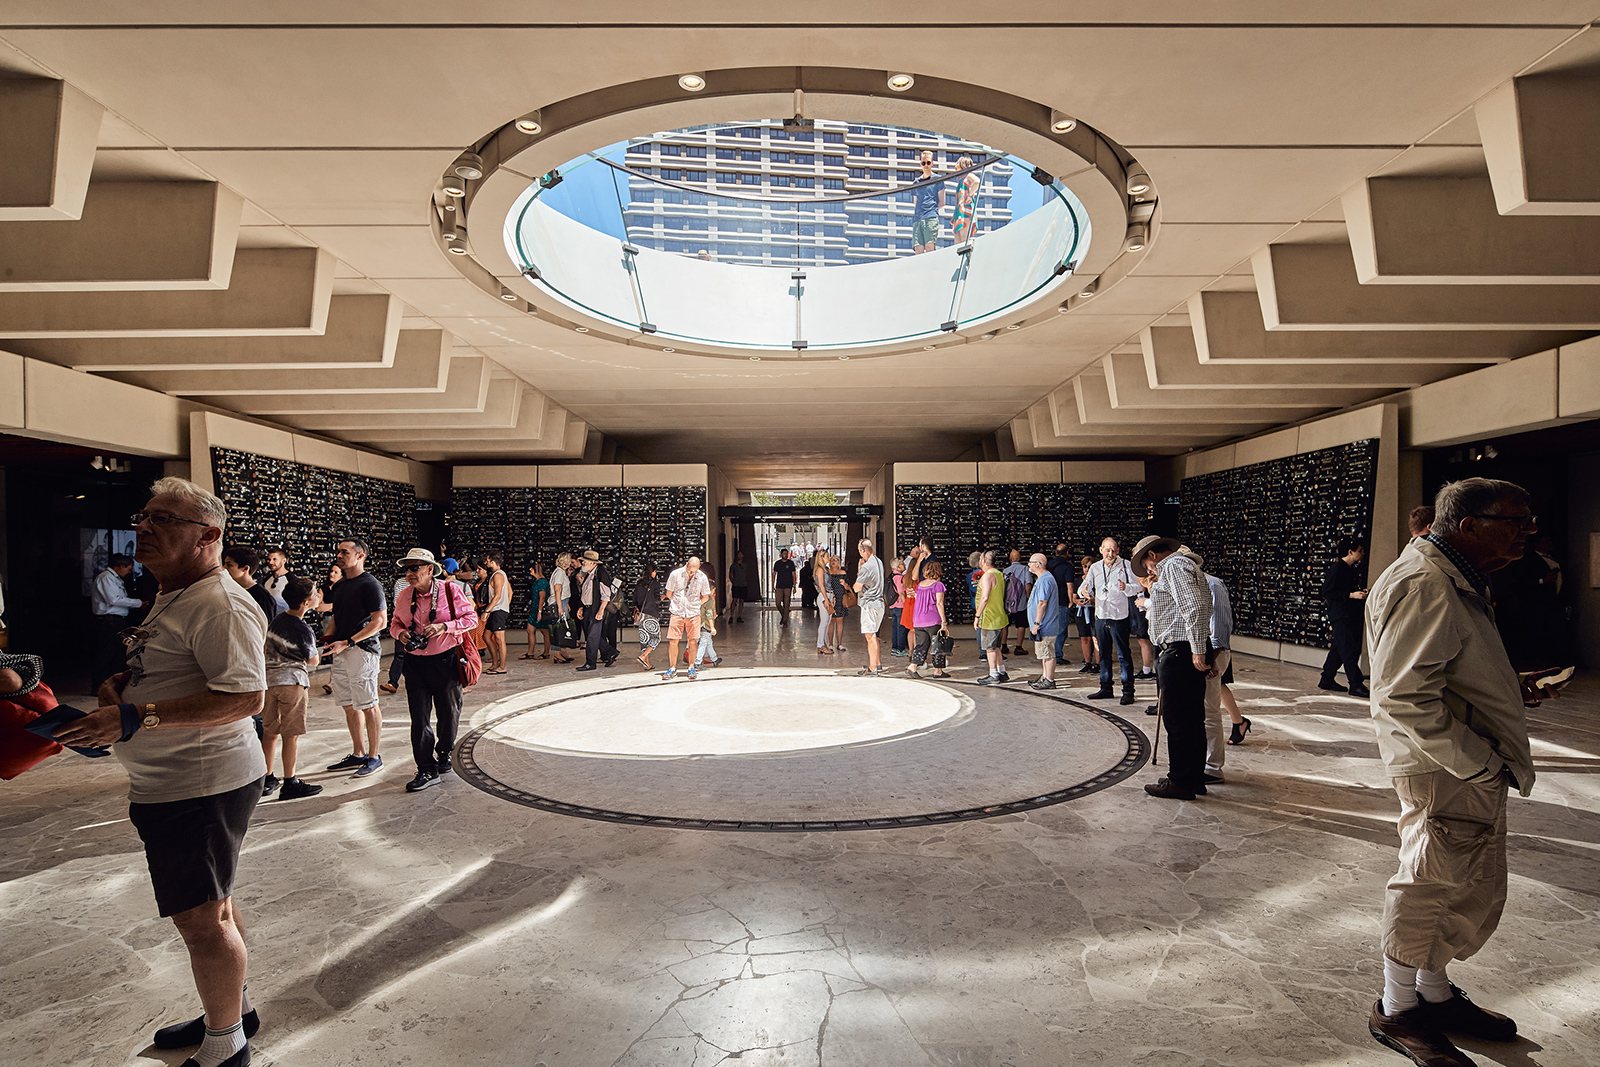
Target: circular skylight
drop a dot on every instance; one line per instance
(788, 234)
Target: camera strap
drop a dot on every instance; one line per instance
(433, 605)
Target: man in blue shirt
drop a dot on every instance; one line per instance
(925, 219)
(1044, 620)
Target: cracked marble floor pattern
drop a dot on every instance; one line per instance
(392, 928)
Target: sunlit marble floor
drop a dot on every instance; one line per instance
(449, 926)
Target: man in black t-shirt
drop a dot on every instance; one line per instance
(359, 614)
(240, 563)
(1343, 592)
(783, 585)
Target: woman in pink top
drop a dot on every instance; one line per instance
(431, 618)
(927, 615)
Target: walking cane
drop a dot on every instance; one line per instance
(1155, 750)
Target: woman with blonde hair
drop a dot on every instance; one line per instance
(561, 601)
(825, 602)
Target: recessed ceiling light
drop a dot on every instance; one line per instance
(901, 82)
(669, 350)
(582, 329)
(531, 123)
(1060, 123)
(988, 336)
(469, 166)
(507, 295)
(755, 359)
(844, 357)
(929, 348)
(1065, 307)
(1089, 289)
(1015, 326)
(692, 82)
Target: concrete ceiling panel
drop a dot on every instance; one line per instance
(1278, 185)
(421, 360)
(1139, 295)
(50, 130)
(1054, 423)
(1230, 328)
(1447, 231)
(1314, 287)
(501, 407)
(1095, 410)
(1539, 137)
(465, 392)
(358, 331)
(1171, 361)
(131, 236)
(1204, 249)
(145, 165)
(1128, 385)
(385, 251)
(273, 292)
(450, 298)
(330, 188)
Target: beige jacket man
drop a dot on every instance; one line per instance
(1444, 694)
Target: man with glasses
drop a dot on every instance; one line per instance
(359, 614)
(1343, 591)
(1453, 737)
(179, 722)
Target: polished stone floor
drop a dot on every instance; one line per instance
(451, 926)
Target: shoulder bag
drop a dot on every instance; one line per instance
(469, 662)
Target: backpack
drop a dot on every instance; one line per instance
(1016, 593)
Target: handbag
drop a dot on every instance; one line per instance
(19, 749)
(943, 643)
(469, 662)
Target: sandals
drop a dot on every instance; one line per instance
(1239, 730)
(643, 662)
(327, 690)
(526, 656)
(824, 651)
(500, 671)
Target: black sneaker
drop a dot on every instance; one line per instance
(1101, 694)
(1004, 678)
(296, 788)
(1363, 691)
(349, 763)
(1042, 684)
(423, 780)
(269, 785)
(182, 1035)
(1331, 687)
(1127, 698)
(1089, 668)
(368, 765)
(1145, 676)
(443, 766)
(988, 679)
(1152, 709)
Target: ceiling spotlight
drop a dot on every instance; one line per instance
(844, 357)
(457, 247)
(1138, 235)
(1015, 326)
(1064, 307)
(669, 350)
(929, 348)
(692, 82)
(531, 123)
(901, 82)
(1060, 123)
(507, 295)
(988, 336)
(1138, 180)
(449, 231)
(581, 329)
(454, 185)
(469, 166)
(1090, 289)
(755, 359)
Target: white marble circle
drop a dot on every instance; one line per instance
(726, 714)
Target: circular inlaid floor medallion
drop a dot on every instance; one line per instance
(794, 750)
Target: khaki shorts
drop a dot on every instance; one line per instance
(284, 710)
(1044, 646)
(1447, 896)
(684, 629)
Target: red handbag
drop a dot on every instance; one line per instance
(469, 662)
(19, 749)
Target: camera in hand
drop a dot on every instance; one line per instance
(413, 641)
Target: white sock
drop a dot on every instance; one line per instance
(1433, 986)
(1399, 987)
(220, 1044)
(244, 1000)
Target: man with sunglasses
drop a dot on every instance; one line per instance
(179, 722)
(1453, 737)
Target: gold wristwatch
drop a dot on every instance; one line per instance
(151, 720)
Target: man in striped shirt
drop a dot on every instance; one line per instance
(1180, 628)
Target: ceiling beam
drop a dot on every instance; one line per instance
(138, 236)
(501, 406)
(420, 365)
(1447, 231)
(1314, 287)
(465, 392)
(1171, 361)
(1540, 133)
(1095, 410)
(1128, 386)
(274, 292)
(50, 132)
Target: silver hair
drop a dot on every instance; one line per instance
(1473, 496)
(207, 504)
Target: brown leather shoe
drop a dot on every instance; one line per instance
(1459, 1015)
(1412, 1033)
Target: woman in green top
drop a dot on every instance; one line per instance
(992, 619)
(539, 613)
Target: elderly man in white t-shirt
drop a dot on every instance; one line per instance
(686, 590)
(179, 721)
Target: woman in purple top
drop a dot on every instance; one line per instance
(927, 615)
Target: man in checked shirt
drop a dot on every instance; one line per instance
(1180, 628)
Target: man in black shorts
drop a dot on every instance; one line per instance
(783, 585)
(179, 721)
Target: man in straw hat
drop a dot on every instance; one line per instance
(1180, 627)
(430, 617)
(591, 597)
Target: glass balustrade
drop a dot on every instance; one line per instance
(765, 235)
